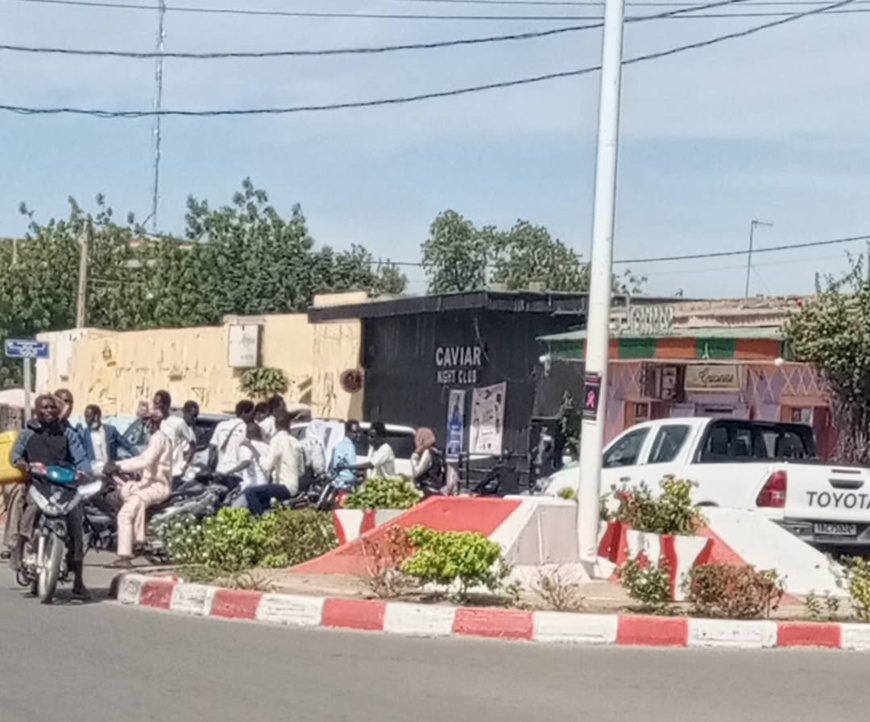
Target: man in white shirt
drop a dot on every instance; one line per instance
(179, 431)
(275, 406)
(228, 437)
(284, 462)
(382, 458)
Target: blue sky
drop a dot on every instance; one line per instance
(772, 126)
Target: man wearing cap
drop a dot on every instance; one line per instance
(154, 486)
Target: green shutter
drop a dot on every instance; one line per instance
(644, 348)
(716, 348)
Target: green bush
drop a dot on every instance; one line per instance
(650, 585)
(854, 577)
(234, 541)
(671, 513)
(384, 494)
(451, 558)
(567, 493)
(724, 590)
(297, 536)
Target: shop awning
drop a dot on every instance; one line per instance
(744, 343)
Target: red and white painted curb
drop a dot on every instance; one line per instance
(351, 524)
(423, 620)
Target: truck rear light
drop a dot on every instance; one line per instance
(774, 491)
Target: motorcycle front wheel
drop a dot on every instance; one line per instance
(50, 558)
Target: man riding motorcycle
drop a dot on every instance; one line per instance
(46, 440)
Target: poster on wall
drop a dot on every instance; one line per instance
(487, 419)
(455, 423)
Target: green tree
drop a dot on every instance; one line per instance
(832, 331)
(456, 254)
(528, 256)
(459, 257)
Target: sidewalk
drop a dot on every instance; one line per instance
(442, 620)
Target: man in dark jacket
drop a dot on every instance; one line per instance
(46, 440)
(102, 442)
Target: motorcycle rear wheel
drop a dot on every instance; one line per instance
(49, 573)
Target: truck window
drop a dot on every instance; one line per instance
(667, 443)
(626, 449)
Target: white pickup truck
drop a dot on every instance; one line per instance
(768, 467)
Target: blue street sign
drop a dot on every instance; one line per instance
(26, 348)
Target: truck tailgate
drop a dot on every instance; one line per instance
(821, 492)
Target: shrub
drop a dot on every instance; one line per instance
(648, 584)
(384, 494)
(722, 590)
(671, 513)
(825, 608)
(567, 493)
(234, 541)
(558, 592)
(384, 558)
(451, 558)
(260, 383)
(295, 536)
(854, 577)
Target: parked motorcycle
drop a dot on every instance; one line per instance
(198, 498)
(54, 491)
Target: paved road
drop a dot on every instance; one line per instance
(81, 663)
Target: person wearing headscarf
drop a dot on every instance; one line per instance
(427, 463)
(314, 451)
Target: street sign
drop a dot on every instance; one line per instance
(20, 348)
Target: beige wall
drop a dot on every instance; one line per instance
(115, 370)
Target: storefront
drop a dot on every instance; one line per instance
(463, 362)
(722, 373)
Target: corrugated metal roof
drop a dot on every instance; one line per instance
(773, 333)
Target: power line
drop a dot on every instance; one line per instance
(742, 267)
(23, 110)
(600, 3)
(719, 254)
(369, 50)
(362, 16)
(728, 254)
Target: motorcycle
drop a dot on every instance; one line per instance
(197, 498)
(54, 491)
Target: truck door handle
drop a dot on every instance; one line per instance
(624, 479)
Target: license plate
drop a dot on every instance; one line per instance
(835, 529)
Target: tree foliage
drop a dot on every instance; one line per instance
(243, 258)
(459, 257)
(832, 331)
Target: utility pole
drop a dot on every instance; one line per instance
(752, 226)
(82, 297)
(158, 106)
(601, 283)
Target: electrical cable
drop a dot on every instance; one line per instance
(24, 110)
(727, 254)
(355, 16)
(357, 51)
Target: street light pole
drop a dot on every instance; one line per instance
(752, 226)
(82, 296)
(601, 283)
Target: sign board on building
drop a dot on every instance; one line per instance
(487, 419)
(26, 348)
(458, 365)
(647, 320)
(715, 377)
(455, 423)
(244, 345)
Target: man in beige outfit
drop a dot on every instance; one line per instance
(155, 485)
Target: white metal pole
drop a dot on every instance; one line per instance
(28, 386)
(601, 277)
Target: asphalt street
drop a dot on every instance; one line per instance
(98, 661)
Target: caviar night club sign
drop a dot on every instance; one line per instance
(458, 365)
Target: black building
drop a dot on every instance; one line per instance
(415, 351)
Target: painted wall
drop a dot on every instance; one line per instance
(116, 370)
